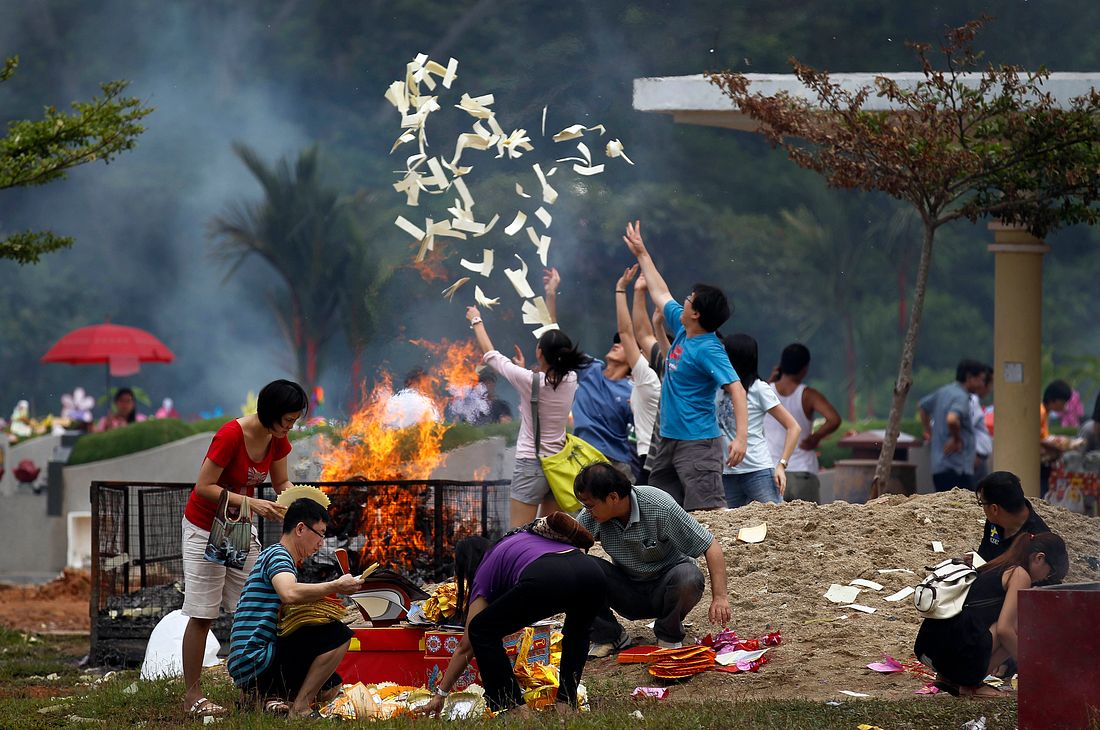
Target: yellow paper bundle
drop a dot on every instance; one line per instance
(442, 603)
(295, 616)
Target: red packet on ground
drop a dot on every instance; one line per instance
(636, 655)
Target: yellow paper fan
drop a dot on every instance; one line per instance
(290, 496)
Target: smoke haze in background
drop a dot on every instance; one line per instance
(282, 76)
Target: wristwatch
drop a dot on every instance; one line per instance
(440, 692)
(783, 463)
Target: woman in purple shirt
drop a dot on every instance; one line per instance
(521, 579)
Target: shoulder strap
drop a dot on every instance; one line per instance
(535, 408)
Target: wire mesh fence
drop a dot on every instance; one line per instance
(137, 564)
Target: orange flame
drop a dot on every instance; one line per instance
(398, 436)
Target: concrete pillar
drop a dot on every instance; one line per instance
(1017, 338)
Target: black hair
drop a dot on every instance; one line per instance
(601, 479)
(1026, 545)
(1057, 390)
(968, 368)
(711, 304)
(616, 339)
(794, 359)
(303, 510)
(744, 356)
(1002, 488)
(1096, 409)
(486, 376)
(130, 392)
(469, 552)
(278, 398)
(561, 355)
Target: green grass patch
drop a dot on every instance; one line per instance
(29, 700)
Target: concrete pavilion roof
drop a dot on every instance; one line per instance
(694, 100)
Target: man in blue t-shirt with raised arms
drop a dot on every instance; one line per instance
(688, 463)
(285, 673)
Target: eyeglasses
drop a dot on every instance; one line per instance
(318, 534)
(982, 503)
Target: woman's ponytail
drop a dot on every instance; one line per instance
(561, 355)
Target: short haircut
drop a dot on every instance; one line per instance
(303, 510)
(1003, 489)
(278, 398)
(601, 479)
(711, 304)
(795, 359)
(1057, 390)
(967, 369)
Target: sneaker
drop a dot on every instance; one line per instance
(662, 644)
(599, 651)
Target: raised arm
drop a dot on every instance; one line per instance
(626, 327)
(551, 280)
(477, 324)
(660, 332)
(643, 326)
(658, 289)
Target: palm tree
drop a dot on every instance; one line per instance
(304, 231)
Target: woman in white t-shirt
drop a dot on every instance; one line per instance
(755, 478)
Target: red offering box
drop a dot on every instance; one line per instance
(390, 654)
(441, 643)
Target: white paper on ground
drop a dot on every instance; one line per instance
(860, 608)
(883, 571)
(937, 546)
(977, 561)
(850, 693)
(753, 534)
(841, 594)
(862, 583)
(739, 655)
(903, 593)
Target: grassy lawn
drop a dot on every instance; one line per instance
(76, 698)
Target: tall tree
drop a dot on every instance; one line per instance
(304, 232)
(960, 143)
(36, 152)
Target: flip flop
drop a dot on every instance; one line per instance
(276, 706)
(205, 707)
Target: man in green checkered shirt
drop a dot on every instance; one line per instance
(654, 546)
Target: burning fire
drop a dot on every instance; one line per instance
(398, 436)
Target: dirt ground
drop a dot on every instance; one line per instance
(776, 584)
(60, 606)
(781, 582)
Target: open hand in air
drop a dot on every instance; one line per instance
(633, 238)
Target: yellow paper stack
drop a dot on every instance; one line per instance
(295, 616)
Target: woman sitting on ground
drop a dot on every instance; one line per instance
(558, 361)
(505, 587)
(966, 648)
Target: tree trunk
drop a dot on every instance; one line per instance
(850, 362)
(905, 368)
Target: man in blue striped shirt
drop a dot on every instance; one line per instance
(298, 665)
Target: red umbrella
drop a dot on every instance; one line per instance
(122, 349)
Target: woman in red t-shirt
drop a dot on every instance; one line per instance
(242, 455)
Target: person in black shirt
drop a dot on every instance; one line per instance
(965, 648)
(1007, 514)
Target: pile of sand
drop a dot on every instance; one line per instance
(780, 584)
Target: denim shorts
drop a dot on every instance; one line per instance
(752, 486)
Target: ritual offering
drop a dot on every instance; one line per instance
(294, 616)
(289, 496)
(681, 663)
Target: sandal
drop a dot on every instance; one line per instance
(204, 707)
(276, 706)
